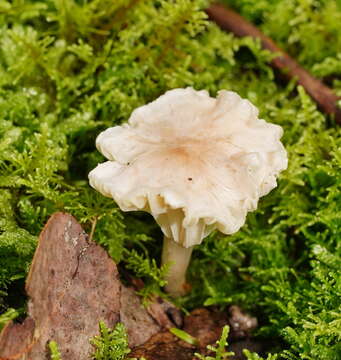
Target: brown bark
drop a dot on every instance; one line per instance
(72, 285)
(229, 20)
(139, 324)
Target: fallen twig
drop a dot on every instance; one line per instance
(229, 20)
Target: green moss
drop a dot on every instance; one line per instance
(69, 69)
(10, 314)
(219, 351)
(110, 344)
(54, 351)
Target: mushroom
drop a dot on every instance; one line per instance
(195, 163)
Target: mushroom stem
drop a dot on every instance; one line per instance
(178, 257)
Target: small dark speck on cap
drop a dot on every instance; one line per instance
(190, 179)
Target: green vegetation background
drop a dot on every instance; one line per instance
(70, 68)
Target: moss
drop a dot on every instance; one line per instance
(69, 69)
(111, 343)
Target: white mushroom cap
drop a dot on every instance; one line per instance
(194, 162)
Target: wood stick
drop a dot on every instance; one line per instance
(325, 98)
